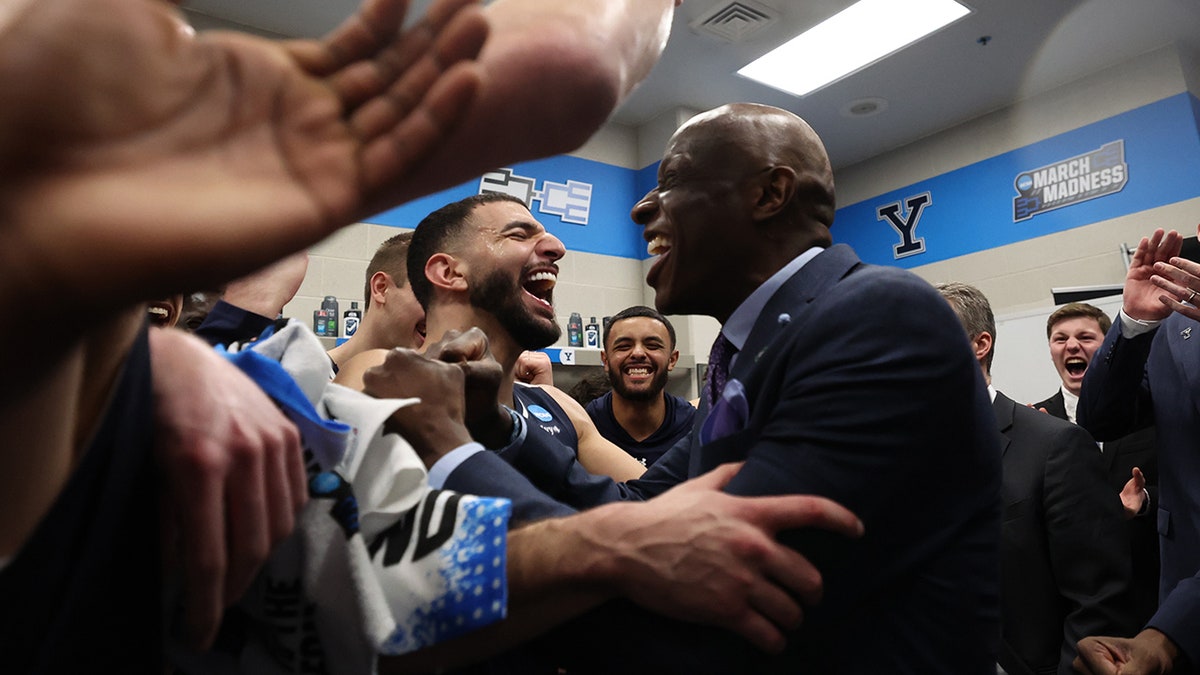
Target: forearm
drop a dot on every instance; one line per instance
(552, 74)
(1112, 402)
(556, 571)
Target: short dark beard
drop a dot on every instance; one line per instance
(500, 296)
(657, 384)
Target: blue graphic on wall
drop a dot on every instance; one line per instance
(1151, 155)
(570, 201)
(1082, 177)
(582, 202)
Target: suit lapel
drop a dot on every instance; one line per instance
(791, 303)
(1057, 406)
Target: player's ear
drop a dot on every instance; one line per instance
(445, 271)
(380, 283)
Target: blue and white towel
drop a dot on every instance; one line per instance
(380, 563)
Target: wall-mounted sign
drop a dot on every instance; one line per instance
(905, 224)
(1093, 174)
(570, 201)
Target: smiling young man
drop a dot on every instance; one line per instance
(639, 415)
(1075, 332)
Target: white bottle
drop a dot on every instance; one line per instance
(591, 334)
(350, 319)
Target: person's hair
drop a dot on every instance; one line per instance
(639, 310)
(974, 312)
(590, 387)
(391, 258)
(1075, 310)
(436, 231)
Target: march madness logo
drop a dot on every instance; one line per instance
(1071, 181)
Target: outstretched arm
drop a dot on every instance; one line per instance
(693, 553)
(552, 74)
(596, 453)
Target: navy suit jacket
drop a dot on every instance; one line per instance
(1064, 556)
(1134, 383)
(866, 393)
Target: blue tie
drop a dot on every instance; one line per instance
(718, 367)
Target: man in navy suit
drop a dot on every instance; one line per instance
(849, 381)
(1064, 553)
(1148, 372)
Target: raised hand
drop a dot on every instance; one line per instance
(534, 368)
(187, 160)
(1180, 278)
(1141, 295)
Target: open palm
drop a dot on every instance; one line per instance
(186, 160)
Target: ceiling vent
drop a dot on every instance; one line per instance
(734, 21)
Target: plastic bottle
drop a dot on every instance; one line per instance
(591, 334)
(320, 322)
(575, 330)
(330, 305)
(350, 319)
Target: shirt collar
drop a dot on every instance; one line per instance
(737, 328)
(1070, 403)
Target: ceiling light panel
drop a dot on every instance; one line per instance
(849, 41)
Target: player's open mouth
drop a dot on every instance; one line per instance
(540, 284)
(1075, 365)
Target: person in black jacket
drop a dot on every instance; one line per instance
(1064, 553)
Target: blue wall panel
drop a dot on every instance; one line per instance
(971, 209)
(608, 231)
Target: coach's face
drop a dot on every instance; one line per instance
(696, 221)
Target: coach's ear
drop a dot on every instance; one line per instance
(774, 192)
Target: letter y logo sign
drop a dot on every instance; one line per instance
(906, 226)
